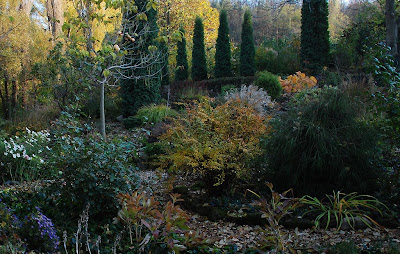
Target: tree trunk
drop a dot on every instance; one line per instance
(102, 113)
(26, 6)
(55, 16)
(391, 27)
(7, 111)
(14, 96)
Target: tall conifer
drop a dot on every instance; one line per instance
(223, 48)
(199, 64)
(182, 66)
(314, 34)
(247, 48)
(140, 86)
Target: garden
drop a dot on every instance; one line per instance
(171, 127)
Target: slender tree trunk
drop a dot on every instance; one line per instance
(7, 100)
(23, 94)
(102, 111)
(55, 16)
(391, 27)
(3, 103)
(14, 97)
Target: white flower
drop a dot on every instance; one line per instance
(14, 156)
(18, 155)
(5, 153)
(41, 161)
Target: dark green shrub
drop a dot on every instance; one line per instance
(142, 85)
(93, 172)
(320, 146)
(315, 44)
(199, 63)
(270, 83)
(279, 56)
(182, 66)
(132, 122)
(247, 48)
(223, 48)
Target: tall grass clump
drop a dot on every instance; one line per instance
(320, 145)
(155, 113)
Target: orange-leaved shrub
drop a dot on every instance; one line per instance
(216, 142)
(297, 82)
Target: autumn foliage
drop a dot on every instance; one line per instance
(215, 142)
(297, 82)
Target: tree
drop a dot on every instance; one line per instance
(174, 14)
(247, 48)
(314, 34)
(199, 64)
(392, 28)
(182, 66)
(144, 88)
(55, 16)
(223, 48)
(22, 43)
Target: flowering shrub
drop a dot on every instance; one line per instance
(39, 233)
(9, 226)
(23, 156)
(252, 96)
(216, 142)
(297, 82)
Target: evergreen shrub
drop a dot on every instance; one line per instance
(270, 83)
(199, 63)
(223, 67)
(320, 145)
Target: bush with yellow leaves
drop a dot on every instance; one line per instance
(216, 142)
(297, 82)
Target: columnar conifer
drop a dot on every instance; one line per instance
(140, 85)
(314, 34)
(199, 64)
(247, 48)
(223, 48)
(182, 66)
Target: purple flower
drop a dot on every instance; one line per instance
(46, 228)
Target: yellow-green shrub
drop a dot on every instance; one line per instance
(216, 142)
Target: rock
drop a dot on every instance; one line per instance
(120, 118)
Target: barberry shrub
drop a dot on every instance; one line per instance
(216, 142)
(297, 82)
(320, 145)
